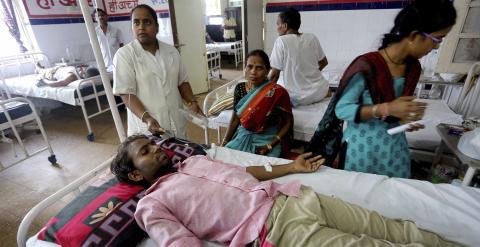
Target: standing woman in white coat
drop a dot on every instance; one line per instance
(151, 79)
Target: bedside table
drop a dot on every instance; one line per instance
(451, 142)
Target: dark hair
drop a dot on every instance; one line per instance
(150, 10)
(91, 71)
(291, 17)
(98, 10)
(426, 16)
(262, 55)
(122, 164)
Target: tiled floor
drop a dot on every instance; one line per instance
(30, 181)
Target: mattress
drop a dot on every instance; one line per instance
(445, 209)
(305, 119)
(224, 46)
(15, 110)
(26, 86)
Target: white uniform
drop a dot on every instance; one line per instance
(109, 43)
(229, 33)
(297, 56)
(154, 80)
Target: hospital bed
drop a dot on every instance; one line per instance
(448, 210)
(306, 118)
(15, 112)
(230, 48)
(214, 63)
(76, 93)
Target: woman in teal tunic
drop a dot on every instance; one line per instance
(375, 94)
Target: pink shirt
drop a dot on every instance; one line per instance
(208, 200)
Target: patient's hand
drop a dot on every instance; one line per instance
(305, 163)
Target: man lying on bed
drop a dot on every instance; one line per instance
(203, 199)
(61, 76)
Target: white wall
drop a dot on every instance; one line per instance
(343, 34)
(53, 39)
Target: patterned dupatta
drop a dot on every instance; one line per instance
(255, 107)
(379, 81)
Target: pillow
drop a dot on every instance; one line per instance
(104, 215)
(99, 216)
(222, 103)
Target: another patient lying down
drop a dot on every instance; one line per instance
(60, 76)
(204, 199)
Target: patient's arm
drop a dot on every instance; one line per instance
(162, 225)
(61, 83)
(304, 163)
(274, 74)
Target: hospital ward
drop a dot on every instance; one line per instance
(257, 123)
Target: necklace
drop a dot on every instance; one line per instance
(391, 60)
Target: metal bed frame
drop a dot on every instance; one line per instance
(80, 100)
(12, 123)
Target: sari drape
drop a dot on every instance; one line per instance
(254, 110)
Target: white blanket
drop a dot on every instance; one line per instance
(26, 86)
(451, 211)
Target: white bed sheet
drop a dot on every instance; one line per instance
(438, 112)
(224, 46)
(26, 86)
(445, 209)
(305, 119)
(448, 210)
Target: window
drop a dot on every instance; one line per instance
(462, 45)
(212, 7)
(9, 44)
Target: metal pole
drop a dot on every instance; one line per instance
(101, 67)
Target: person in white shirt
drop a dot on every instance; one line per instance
(152, 80)
(300, 58)
(109, 37)
(229, 25)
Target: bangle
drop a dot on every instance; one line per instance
(143, 115)
(278, 138)
(269, 147)
(374, 111)
(384, 110)
(190, 103)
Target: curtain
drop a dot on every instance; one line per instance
(11, 22)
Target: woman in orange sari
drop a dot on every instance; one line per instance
(262, 118)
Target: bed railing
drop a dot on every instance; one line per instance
(23, 63)
(469, 97)
(72, 187)
(12, 123)
(96, 95)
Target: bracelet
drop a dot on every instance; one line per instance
(143, 115)
(269, 147)
(190, 103)
(374, 111)
(384, 110)
(278, 138)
